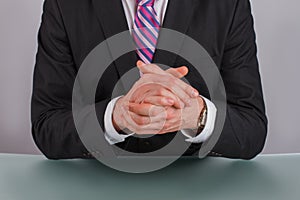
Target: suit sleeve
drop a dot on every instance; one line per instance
(245, 126)
(53, 127)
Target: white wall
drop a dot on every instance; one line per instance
(19, 21)
(278, 38)
(278, 32)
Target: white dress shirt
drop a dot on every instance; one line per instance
(111, 135)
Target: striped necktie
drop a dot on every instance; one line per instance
(145, 30)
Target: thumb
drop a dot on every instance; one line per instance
(149, 68)
(140, 63)
(178, 72)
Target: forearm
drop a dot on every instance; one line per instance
(55, 133)
(243, 135)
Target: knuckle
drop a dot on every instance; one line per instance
(145, 77)
(172, 87)
(137, 120)
(161, 91)
(147, 99)
(162, 100)
(149, 76)
(167, 126)
(188, 88)
(140, 120)
(143, 121)
(170, 79)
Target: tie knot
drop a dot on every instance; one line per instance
(145, 2)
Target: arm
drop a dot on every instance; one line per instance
(245, 127)
(53, 128)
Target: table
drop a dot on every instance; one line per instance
(274, 177)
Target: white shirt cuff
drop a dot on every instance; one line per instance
(208, 128)
(111, 135)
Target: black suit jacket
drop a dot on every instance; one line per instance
(70, 29)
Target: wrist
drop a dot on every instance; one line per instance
(116, 115)
(201, 118)
(116, 126)
(192, 113)
(199, 111)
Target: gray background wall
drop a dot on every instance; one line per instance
(278, 32)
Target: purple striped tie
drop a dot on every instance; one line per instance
(145, 30)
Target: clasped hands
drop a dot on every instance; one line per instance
(158, 103)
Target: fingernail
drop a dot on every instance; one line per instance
(195, 93)
(140, 63)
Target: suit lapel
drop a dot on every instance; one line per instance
(177, 17)
(111, 16)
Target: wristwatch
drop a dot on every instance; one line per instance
(202, 120)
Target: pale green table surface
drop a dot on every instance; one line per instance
(36, 178)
